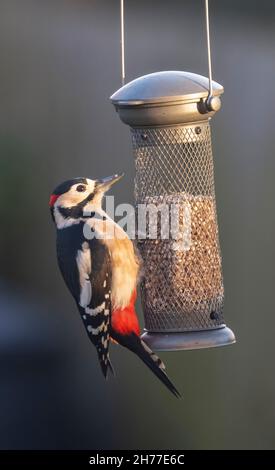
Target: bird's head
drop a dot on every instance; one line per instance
(75, 197)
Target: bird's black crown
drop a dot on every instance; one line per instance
(64, 187)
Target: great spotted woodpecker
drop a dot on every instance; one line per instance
(100, 266)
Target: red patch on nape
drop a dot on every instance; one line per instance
(125, 321)
(52, 200)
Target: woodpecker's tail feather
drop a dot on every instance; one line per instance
(136, 345)
(156, 365)
(106, 365)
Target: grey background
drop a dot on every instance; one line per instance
(59, 63)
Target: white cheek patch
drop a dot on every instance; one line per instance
(83, 261)
(73, 197)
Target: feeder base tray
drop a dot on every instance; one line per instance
(222, 336)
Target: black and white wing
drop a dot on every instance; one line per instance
(97, 316)
(86, 269)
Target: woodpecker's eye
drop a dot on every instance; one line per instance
(80, 188)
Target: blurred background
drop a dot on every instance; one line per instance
(60, 62)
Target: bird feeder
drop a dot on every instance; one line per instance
(182, 286)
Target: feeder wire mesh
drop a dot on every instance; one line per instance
(182, 289)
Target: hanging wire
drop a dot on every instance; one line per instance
(208, 49)
(122, 42)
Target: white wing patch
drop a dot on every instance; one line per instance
(94, 311)
(95, 331)
(83, 260)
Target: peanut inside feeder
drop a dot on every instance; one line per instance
(184, 287)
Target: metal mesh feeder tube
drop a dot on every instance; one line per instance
(182, 287)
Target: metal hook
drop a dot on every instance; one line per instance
(213, 103)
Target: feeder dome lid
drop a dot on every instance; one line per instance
(165, 98)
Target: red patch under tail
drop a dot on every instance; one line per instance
(125, 321)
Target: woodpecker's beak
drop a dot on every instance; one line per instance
(104, 184)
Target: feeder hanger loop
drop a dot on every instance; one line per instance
(213, 103)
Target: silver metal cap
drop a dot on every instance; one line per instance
(166, 98)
